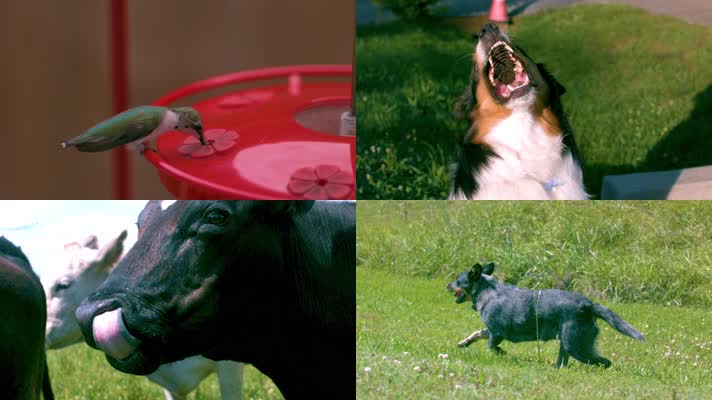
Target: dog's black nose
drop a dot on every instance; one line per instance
(489, 27)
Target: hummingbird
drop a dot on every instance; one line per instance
(137, 125)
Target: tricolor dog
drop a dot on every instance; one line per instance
(522, 315)
(519, 145)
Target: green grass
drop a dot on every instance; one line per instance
(639, 94)
(651, 262)
(647, 251)
(79, 372)
(405, 323)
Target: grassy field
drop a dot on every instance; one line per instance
(646, 251)
(406, 326)
(80, 372)
(651, 262)
(639, 94)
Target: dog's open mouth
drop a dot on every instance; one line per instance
(506, 72)
(460, 295)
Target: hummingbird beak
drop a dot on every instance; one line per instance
(199, 130)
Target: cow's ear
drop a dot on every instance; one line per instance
(488, 269)
(110, 253)
(288, 207)
(475, 273)
(150, 209)
(90, 242)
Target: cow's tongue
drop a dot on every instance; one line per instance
(111, 335)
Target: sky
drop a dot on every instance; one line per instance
(42, 228)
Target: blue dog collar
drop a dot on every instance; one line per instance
(552, 185)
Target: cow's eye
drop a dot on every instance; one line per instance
(62, 285)
(216, 217)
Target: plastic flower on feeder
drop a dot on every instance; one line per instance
(324, 182)
(217, 141)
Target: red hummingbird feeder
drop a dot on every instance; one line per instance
(261, 143)
(275, 138)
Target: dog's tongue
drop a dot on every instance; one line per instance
(111, 335)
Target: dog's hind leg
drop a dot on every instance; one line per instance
(578, 338)
(494, 342)
(476, 335)
(591, 358)
(563, 359)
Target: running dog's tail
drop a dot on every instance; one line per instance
(616, 322)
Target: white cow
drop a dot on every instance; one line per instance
(86, 270)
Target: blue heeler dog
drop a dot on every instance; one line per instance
(521, 315)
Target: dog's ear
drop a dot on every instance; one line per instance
(467, 101)
(475, 273)
(488, 269)
(557, 89)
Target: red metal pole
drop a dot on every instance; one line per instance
(353, 74)
(120, 92)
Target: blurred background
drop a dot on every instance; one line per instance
(42, 228)
(55, 75)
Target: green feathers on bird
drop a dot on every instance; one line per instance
(137, 125)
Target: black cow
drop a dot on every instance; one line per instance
(268, 283)
(23, 367)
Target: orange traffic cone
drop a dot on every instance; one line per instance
(498, 11)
